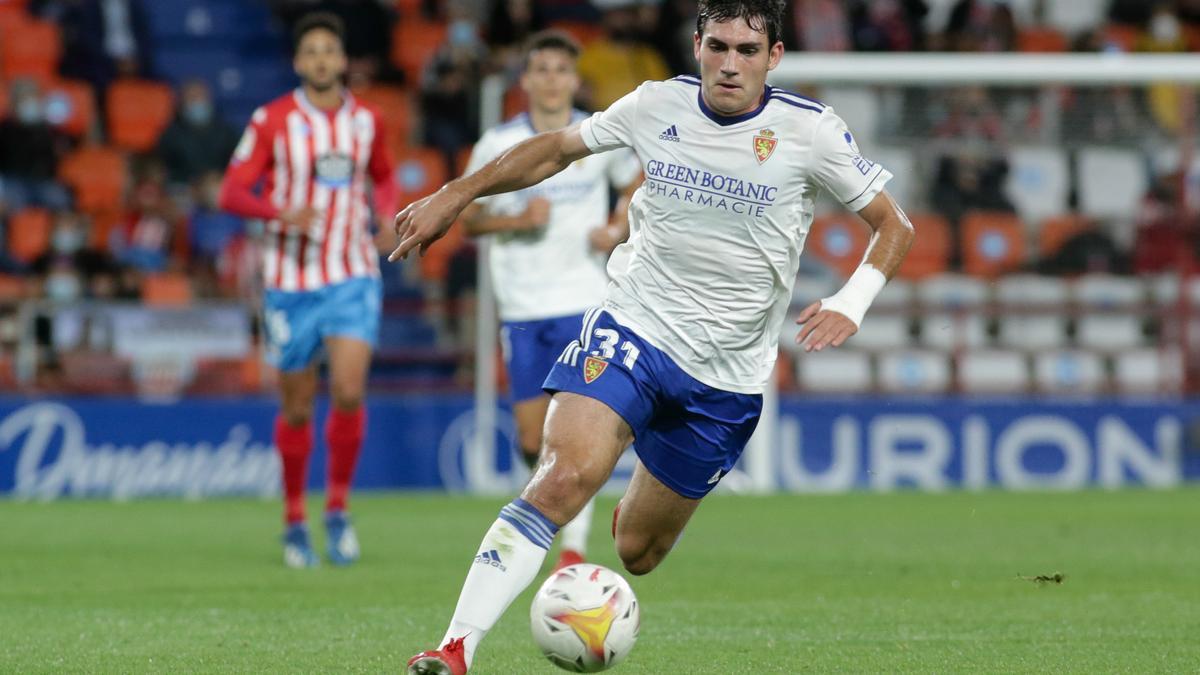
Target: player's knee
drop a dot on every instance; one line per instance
(640, 554)
(346, 396)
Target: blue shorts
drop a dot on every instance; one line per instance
(297, 322)
(686, 433)
(530, 349)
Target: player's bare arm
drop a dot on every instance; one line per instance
(525, 164)
(831, 321)
(477, 221)
(607, 237)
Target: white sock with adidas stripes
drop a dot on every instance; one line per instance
(508, 560)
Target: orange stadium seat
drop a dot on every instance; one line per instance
(408, 8)
(395, 107)
(138, 112)
(29, 233)
(71, 106)
(930, 252)
(414, 42)
(1041, 39)
(3, 96)
(12, 288)
(838, 240)
(1056, 231)
(462, 159)
(419, 172)
(97, 176)
(993, 243)
(166, 290)
(515, 101)
(1121, 35)
(31, 48)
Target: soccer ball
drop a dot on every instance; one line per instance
(585, 618)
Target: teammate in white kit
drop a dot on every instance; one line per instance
(550, 244)
(683, 346)
(314, 150)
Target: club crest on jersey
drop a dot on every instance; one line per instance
(593, 368)
(764, 145)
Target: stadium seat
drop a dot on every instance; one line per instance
(1038, 183)
(515, 101)
(31, 49)
(882, 331)
(29, 233)
(1107, 291)
(1109, 332)
(1120, 36)
(1069, 371)
(839, 240)
(419, 172)
(414, 42)
(462, 159)
(993, 372)
(1058, 230)
(395, 108)
(949, 331)
(952, 291)
(1148, 371)
(993, 243)
(70, 106)
(1034, 312)
(1041, 39)
(12, 288)
(834, 371)
(166, 290)
(930, 252)
(138, 112)
(1112, 182)
(899, 295)
(97, 176)
(914, 372)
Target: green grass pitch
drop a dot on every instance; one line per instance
(853, 583)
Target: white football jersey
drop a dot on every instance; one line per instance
(718, 226)
(553, 271)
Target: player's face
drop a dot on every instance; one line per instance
(550, 80)
(320, 61)
(734, 61)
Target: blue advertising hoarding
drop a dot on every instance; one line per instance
(198, 448)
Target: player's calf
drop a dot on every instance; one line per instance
(641, 553)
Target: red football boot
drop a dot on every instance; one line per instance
(449, 660)
(567, 558)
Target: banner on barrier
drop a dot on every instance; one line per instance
(124, 449)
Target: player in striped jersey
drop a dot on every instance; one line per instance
(314, 151)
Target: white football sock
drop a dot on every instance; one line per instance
(575, 533)
(508, 560)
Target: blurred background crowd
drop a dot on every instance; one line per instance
(117, 118)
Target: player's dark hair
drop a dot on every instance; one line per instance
(549, 39)
(318, 21)
(761, 15)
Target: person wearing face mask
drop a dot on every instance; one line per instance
(198, 140)
(70, 265)
(29, 152)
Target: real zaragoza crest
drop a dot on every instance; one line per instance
(593, 368)
(764, 145)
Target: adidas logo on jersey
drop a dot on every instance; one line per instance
(669, 135)
(491, 558)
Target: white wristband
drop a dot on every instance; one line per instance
(857, 295)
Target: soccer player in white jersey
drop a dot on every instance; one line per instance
(550, 244)
(313, 151)
(678, 355)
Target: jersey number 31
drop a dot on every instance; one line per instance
(607, 348)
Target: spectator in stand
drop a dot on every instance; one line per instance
(981, 26)
(102, 39)
(509, 23)
(71, 269)
(449, 93)
(971, 173)
(210, 230)
(673, 35)
(894, 25)
(147, 241)
(29, 152)
(822, 25)
(618, 62)
(1164, 35)
(197, 141)
(368, 30)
